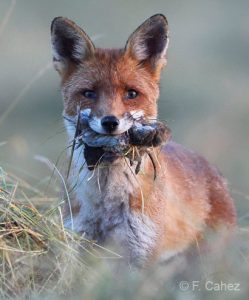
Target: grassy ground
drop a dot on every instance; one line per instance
(37, 254)
(40, 259)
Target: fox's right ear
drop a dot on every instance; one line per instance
(70, 44)
(149, 42)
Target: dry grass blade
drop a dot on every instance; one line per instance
(74, 143)
(54, 168)
(37, 253)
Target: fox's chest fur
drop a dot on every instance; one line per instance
(104, 214)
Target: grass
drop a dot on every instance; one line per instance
(39, 258)
(37, 254)
(32, 244)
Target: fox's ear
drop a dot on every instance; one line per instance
(70, 44)
(149, 42)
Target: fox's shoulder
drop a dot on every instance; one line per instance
(191, 175)
(177, 155)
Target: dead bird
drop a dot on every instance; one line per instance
(100, 148)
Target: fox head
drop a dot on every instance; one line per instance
(114, 86)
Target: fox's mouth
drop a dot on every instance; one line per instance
(84, 119)
(109, 125)
(103, 148)
(114, 127)
(99, 146)
(93, 124)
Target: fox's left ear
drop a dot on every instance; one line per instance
(70, 44)
(149, 42)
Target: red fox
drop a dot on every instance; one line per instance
(148, 217)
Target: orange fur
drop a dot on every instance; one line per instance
(187, 196)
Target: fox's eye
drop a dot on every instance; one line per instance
(131, 94)
(90, 94)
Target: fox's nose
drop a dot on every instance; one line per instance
(110, 123)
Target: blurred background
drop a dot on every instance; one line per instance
(204, 89)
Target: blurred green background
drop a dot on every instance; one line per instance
(204, 89)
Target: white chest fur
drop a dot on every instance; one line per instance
(103, 197)
(105, 215)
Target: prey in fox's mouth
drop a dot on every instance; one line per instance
(104, 148)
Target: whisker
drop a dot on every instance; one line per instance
(158, 120)
(71, 120)
(131, 116)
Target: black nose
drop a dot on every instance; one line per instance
(110, 123)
